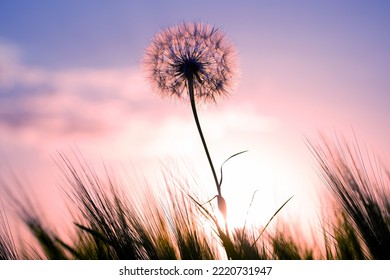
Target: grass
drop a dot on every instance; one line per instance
(7, 246)
(361, 187)
(115, 221)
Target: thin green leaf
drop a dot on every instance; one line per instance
(221, 169)
(273, 216)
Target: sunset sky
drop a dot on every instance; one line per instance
(70, 79)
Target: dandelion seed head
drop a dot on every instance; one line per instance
(191, 52)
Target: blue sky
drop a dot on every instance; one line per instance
(70, 75)
(106, 33)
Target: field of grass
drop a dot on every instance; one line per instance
(113, 221)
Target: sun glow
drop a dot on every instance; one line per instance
(254, 190)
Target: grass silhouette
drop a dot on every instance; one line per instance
(7, 246)
(111, 221)
(361, 186)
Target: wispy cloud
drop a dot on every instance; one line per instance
(66, 102)
(89, 103)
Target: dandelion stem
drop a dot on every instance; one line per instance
(193, 107)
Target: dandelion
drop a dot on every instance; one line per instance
(191, 56)
(192, 61)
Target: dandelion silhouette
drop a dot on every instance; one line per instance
(195, 61)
